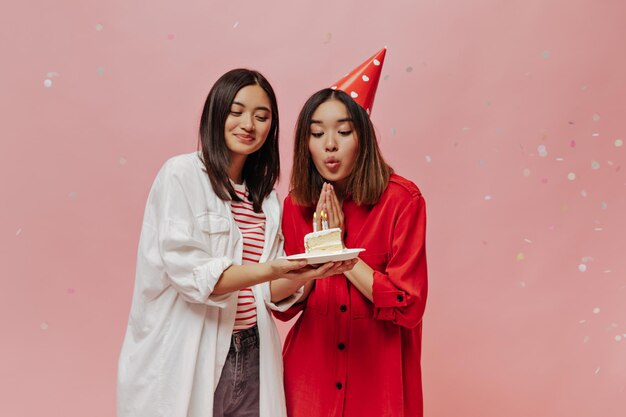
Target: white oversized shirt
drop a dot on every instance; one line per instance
(178, 333)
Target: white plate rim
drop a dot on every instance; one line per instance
(321, 258)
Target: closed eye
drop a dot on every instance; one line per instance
(317, 135)
(235, 113)
(345, 132)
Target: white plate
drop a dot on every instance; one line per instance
(321, 258)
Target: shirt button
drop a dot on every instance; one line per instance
(400, 298)
(339, 385)
(341, 346)
(343, 308)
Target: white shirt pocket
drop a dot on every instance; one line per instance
(216, 231)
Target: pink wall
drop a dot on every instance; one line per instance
(488, 105)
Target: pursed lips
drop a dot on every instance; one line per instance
(331, 163)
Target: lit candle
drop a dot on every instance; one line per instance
(315, 221)
(324, 217)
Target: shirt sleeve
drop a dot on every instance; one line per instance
(399, 293)
(286, 303)
(291, 247)
(189, 265)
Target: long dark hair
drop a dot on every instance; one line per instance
(370, 175)
(262, 168)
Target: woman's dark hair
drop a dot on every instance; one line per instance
(370, 175)
(262, 168)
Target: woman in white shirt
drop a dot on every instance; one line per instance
(200, 340)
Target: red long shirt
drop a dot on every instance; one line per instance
(346, 356)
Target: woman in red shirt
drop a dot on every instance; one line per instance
(355, 350)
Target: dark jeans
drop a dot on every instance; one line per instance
(237, 393)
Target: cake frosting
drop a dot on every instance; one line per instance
(323, 241)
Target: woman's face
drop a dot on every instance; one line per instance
(333, 142)
(248, 122)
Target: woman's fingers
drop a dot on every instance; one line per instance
(320, 207)
(330, 207)
(333, 202)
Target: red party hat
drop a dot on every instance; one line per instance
(362, 82)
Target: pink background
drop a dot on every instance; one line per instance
(508, 114)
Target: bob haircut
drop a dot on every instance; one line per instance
(262, 168)
(370, 174)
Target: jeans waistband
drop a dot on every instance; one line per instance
(245, 339)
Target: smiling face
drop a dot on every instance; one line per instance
(333, 142)
(248, 121)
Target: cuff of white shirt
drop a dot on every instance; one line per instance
(284, 304)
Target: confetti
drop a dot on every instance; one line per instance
(481, 163)
(73, 195)
(53, 74)
(572, 144)
(597, 370)
(19, 231)
(619, 143)
(328, 36)
(522, 284)
(409, 69)
(170, 36)
(595, 165)
(71, 291)
(235, 25)
(586, 339)
(393, 131)
(386, 77)
(571, 176)
(582, 321)
(488, 198)
(44, 326)
(583, 193)
(100, 71)
(618, 338)
(596, 310)
(595, 117)
(604, 205)
(544, 180)
(582, 267)
(546, 54)
(528, 240)
(520, 257)
(526, 172)
(598, 229)
(122, 160)
(428, 159)
(465, 129)
(543, 151)
(595, 135)
(559, 159)
(99, 27)
(47, 83)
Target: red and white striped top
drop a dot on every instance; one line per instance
(252, 227)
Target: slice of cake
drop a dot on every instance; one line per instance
(323, 241)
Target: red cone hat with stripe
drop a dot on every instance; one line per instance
(362, 82)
